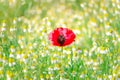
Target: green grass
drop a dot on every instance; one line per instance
(27, 54)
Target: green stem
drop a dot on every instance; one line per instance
(61, 61)
(72, 59)
(61, 54)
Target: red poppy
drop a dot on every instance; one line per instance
(62, 36)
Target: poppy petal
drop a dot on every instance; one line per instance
(62, 36)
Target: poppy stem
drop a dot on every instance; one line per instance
(61, 61)
(61, 54)
(72, 60)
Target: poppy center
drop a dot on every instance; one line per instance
(61, 40)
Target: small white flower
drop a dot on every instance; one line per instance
(102, 50)
(77, 31)
(43, 54)
(19, 56)
(8, 78)
(48, 23)
(56, 68)
(3, 29)
(110, 77)
(51, 78)
(82, 76)
(108, 34)
(12, 64)
(99, 78)
(11, 55)
(12, 29)
(12, 50)
(82, 5)
(24, 30)
(42, 79)
(24, 70)
(3, 24)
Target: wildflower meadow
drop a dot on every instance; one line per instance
(59, 39)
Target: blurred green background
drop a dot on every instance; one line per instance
(27, 54)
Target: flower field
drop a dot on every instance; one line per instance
(26, 53)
